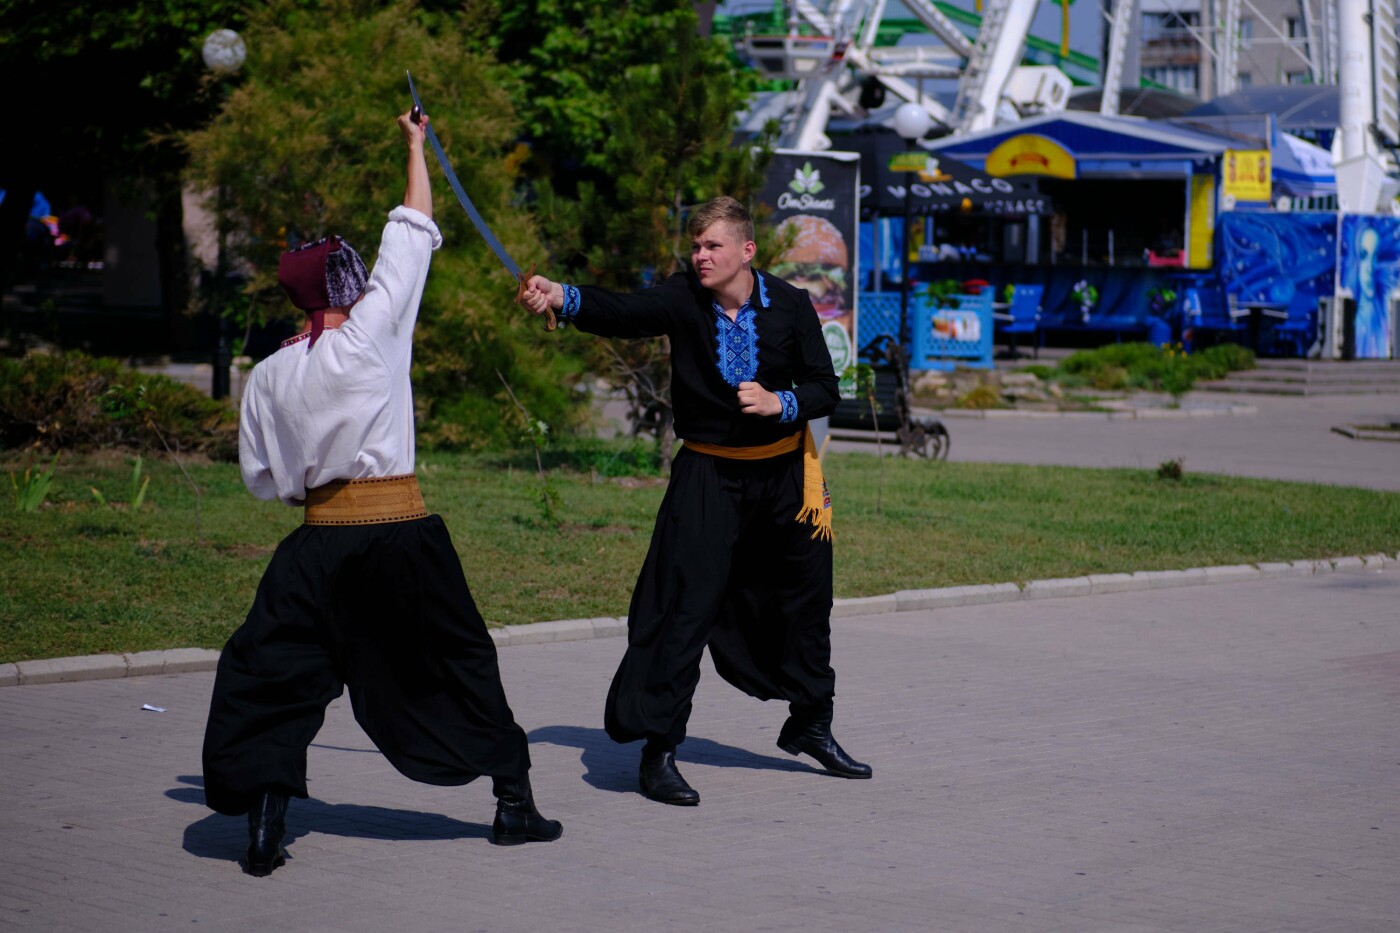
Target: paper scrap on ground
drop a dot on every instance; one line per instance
(154, 709)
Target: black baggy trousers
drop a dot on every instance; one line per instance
(384, 611)
(729, 567)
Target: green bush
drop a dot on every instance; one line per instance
(71, 401)
(981, 397)
(1146, 366)
(1039, 370)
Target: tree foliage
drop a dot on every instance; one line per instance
(307, 146)
(631, 116)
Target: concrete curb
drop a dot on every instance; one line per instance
(185, 660)
(1125, 414)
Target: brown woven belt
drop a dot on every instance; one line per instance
(374, 501)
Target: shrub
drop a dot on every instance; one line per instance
(71, 401)
(1146, 366)
(1228, 357)
(983, 396)
(1039, 370)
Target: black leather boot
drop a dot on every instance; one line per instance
(517, 820)
(815, 739)
(661, 781)
(266, 826)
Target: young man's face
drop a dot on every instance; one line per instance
(719, 255)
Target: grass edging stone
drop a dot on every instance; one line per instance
(188, 660)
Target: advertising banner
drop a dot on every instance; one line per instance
(1368, 271)
(1246, 175)
(815, 195)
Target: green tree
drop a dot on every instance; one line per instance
(632, 120)
(306, 146)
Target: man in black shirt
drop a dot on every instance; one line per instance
(740, 559)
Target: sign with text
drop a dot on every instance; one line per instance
(814, 199)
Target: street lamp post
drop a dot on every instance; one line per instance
(223, 54)
(911, 122)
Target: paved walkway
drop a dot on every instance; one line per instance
(1207, 758)
(1287, 438)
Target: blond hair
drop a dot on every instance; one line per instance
(723, 209)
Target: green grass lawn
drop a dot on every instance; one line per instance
(77, 577)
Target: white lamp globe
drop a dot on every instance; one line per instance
(912, 121)
(224, 51)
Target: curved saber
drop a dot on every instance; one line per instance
(522, 279)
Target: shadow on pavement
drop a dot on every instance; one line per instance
(613, 767)
(224, 837)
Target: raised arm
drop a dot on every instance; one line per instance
(419, 193)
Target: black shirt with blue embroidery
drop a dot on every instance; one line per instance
(775, 340)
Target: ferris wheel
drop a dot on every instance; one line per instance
(830, 51)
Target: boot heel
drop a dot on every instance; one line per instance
(263, 869)
(790, 748)
(510, 839)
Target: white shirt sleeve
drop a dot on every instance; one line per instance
(389, 309)
(254, 458)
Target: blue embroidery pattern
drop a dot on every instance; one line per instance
(789, 400)
(737, 342)
(571, 302)
(762, 290)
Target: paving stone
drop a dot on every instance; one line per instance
(145, 663)
(609, 627)
(1063, 586)
(9, 675)
(1113, 583)
(952, 596)
(1159, 579)
(61, 670)
(185, 660)
(1236, 573)
(1348, 563)
(500, 634)
(863, 606)
(562, 630)
(1271, 570)
(1375, 561)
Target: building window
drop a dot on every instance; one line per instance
(1182, 78)
(1246, 79)
(1297, 77)
(1293, 27)
(1246, 31)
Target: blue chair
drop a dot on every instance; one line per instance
(1021, 317)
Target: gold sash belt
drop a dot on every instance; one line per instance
(373, 501)
(816, 500)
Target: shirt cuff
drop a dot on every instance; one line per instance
(789, 400)
(572, 300)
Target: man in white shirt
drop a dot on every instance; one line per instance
(369, 592)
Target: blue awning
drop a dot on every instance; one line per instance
(1103, 146)
(1302, 169)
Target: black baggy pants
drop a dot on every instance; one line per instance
(383, 610)
(729, 567)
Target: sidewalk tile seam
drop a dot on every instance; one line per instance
(191, 660)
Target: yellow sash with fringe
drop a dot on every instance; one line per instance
(816, 500)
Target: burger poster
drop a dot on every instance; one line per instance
(815, 195)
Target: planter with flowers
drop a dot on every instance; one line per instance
(1085, 296)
